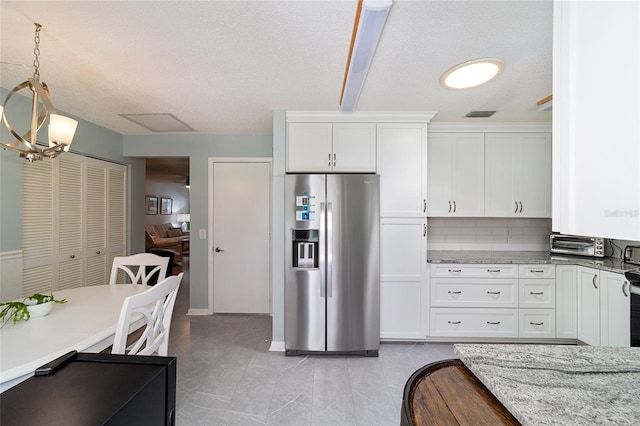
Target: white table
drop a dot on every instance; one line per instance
(87, 322)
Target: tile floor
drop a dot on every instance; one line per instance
(227, 376)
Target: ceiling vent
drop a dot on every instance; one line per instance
(481, 114)
(159, 122)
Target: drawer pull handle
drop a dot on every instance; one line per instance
(493, 323)
(455, 271)
(493, 270)
(537, 271)
(454, 322)
(493, 292)
(536, 293)
(536, 323)
(454, 292)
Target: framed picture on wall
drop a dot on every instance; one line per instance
(166, 205)
(150, 205)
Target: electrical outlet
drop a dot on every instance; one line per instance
(203, 234)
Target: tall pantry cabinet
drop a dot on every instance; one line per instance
(74, 214)
(402, 166)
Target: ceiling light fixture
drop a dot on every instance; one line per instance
(472, 73)
(61, 129)
(371, 16)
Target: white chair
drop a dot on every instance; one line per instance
(156, 307)
(139, 268)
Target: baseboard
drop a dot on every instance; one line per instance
(197, 311)
(277, 346)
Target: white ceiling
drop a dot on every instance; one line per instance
(224, 66)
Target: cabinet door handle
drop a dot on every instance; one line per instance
(593, 281)
(454, 322)
(334, 159)
(454, 292)
(455, 271)
(73, 256)
(536, 323)
(516, 210)
(454, 206)
(424, 233)
(537, 293)
(449, 206)
(493, 323)
(493, 270)
(98, 252)
(493, 292)
(626, 293)
(424, 206)
(329, 160)
(520, 206)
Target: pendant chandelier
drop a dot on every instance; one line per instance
(61, 129)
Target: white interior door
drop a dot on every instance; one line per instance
(241, 223)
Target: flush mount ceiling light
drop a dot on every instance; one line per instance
(472, 73)
(61, 129)
(371, 16)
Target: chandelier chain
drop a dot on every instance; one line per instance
(36, 52)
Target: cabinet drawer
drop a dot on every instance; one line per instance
(479, 293)
(535, 293)
(473, 271)
(474, 322)
(537, 271)
(537, 323)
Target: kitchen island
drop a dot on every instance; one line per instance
(560, 385)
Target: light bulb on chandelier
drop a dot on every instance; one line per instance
(61, 129)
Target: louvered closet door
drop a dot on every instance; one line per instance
(116, 237)
(69, 239)
(38, 227)
(96, 224)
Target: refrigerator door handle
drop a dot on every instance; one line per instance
(322, 260)
(329, 242)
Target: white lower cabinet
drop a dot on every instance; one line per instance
(479, 300)
(403, 277)
(588, 306)
(615, 310)
(474, 322)
(604, 308)
(566, 301)
(537, 323)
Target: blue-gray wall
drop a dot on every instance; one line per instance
(199, 148)
(91, 140)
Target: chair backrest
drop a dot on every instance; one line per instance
(156, 307)
(139, 268)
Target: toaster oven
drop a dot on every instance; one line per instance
(577, 245)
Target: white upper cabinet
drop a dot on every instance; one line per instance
(354, 147)
(309, 147)
(596, 105)
(402, 165)
(456, 174)
(518, 175)
(331, 147)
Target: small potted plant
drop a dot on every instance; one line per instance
(36, 305)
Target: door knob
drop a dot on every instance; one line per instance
(218, 250)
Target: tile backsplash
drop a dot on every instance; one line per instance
(492, 234)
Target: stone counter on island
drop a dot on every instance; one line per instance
(560, 385)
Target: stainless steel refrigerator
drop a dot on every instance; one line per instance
(332, 270)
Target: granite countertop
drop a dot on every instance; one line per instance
(611, 264)
(560, 385)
